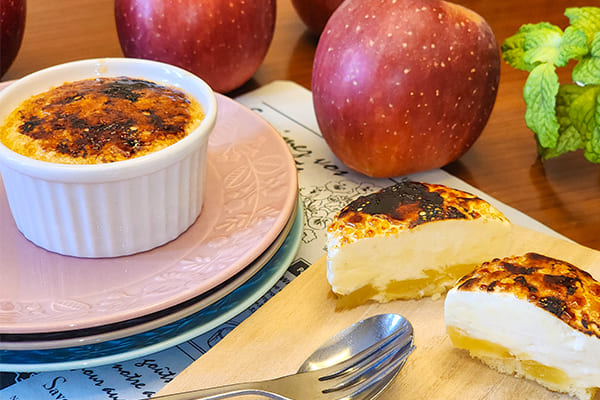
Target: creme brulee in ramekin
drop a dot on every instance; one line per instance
(114, 163)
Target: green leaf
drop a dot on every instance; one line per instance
(569, 140)
(531, 45)
(573, 44)
(587, 70)
(592, 147)
(585, 18)
(539, 94)
(513, 49)
(578, 108)
(566, 95)
(541, 45)
(582, 109)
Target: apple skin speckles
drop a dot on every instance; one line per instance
(439, 70)
(223, 42)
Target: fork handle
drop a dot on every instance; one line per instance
(222, 392)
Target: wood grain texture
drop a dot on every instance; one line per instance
(281, 334)
(563, 193)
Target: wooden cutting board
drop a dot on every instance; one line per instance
(281, 334)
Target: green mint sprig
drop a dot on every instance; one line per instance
(564, 117)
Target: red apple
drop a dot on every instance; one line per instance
(401, 86)
(223, 42)
(12, 26)
(315, 13)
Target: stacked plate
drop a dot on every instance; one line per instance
(60, 312)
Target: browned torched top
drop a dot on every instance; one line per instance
(556, 286)
(100, 120)
(407, 205)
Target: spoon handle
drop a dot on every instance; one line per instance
(222, 392)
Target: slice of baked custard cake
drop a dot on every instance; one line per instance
(532, 316)
(410, 240)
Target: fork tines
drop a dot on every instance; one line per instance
(361, 372)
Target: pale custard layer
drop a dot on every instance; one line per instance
(419, 262)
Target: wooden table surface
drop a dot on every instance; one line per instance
(563, 193)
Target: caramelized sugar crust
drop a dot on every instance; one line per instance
(100, 120)
(556, 286)
(405, 206)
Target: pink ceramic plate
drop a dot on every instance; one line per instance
(251, 189)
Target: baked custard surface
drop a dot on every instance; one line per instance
(100, 120)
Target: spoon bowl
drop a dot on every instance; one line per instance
(355, 339)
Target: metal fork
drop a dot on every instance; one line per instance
(362, 376)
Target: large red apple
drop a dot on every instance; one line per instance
(12, 26)
(223, 42)
(401, 86)
(315, 13)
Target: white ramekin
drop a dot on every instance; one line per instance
(112, 209)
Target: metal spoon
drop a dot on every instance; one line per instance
(371, 352)
(357, 338)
